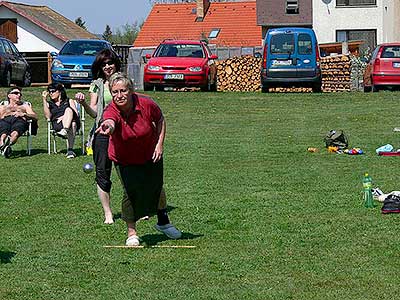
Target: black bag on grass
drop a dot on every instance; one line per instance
(336, 138)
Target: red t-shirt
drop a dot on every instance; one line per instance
(135, 137)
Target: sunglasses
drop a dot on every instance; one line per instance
(108, 62)
(52, 91)
(16, 93)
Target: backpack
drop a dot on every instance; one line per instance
(336, 138)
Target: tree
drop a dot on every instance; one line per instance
(127, 33)
(107, 34)
(79, 21)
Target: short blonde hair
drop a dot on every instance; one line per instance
(120, 77)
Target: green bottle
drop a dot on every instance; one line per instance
(367, 191)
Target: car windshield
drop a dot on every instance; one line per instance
(180, 50)
(82, 48)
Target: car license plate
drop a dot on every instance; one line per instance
(282, 62)
(173, 76)
(396, 65)
(78, 74)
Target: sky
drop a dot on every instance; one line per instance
(98, 13)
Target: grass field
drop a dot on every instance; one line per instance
(269, 220)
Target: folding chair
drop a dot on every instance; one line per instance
(27, 133)
(51, 134)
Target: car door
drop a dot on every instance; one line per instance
(20, 63)
(281, 62)
(306, 56)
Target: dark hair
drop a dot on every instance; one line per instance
(101, 57)
(58, 87)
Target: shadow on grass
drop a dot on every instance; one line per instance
(154, 239)
(22, 153)
(6, 256)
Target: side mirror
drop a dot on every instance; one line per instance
(53, 54)
(257, 55)
(148, 56)
(213, 56)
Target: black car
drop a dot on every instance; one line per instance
(13, 66)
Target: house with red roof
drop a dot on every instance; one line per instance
(37, 28)
(222, 24)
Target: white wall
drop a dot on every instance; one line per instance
(327, 18)
(31, 38)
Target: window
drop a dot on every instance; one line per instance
(292, 7)
(355, 2)
(214, 33)
(369, 36)
(304, 44)
(282, 43)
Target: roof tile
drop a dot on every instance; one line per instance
(237, 21)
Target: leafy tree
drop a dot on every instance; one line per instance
(126, 34)
(107, 34)
(79, 21)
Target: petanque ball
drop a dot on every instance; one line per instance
(87, 168)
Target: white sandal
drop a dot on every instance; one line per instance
(133, 240)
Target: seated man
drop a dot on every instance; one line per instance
(14, 116)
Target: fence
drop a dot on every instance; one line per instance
(136, 59)
(40, 63)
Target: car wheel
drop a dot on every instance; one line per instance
(207, 86)
(27, 79)
(374, 88)
(148, 87)
(7, 78)
(159, 88)
(317, 88)
(264, 88)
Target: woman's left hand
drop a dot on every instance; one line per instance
(158, 152)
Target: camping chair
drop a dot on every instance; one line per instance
(27, 133)
(51, 134)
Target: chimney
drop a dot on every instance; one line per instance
(202, 7)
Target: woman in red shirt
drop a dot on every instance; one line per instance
(136, 127)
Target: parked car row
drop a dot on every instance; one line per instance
(290, 58)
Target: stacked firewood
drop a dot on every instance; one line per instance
(239, 74)
(336, 73)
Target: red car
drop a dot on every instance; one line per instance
(180, 63)
(383, 69)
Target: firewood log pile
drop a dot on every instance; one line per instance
(336, 73)
(239, 74)
(242, 74)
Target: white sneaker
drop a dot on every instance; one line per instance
(6, 143)
(169, 230)
(70, 154)
(133, 240)
(62, 133)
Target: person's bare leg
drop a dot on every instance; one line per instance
(67, 118)
(14, 137)
(105, 202)
(71, 136)
(131, 228)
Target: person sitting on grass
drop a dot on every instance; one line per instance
(14, 116)
(62, 113)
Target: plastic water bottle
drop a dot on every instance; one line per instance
(367, 191)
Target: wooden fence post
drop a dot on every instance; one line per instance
(49, 61)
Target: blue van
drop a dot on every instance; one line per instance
(291, 58)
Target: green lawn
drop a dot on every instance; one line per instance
(269, 220)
